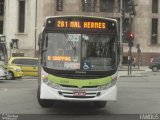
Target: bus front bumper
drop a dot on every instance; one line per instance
(47, 92)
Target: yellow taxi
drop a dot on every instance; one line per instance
(29, 65)
(13, 72)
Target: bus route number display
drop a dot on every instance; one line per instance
(81, 24)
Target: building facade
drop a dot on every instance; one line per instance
(1, 15)
(19, 26)
(25, 28)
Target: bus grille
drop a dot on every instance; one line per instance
(70, 86)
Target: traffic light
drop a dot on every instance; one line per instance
(131, 7)
(131, 36)
(125, 36)
(130, 39)
(123, 14)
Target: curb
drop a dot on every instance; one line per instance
(132, 70)
(131, 76)
(29, 77)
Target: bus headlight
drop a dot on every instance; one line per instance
(108, 85)
(50, 83)
(53, 85)
(45, 78)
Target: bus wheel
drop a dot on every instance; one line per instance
(10, 76)
(43, 102)
(100, 104)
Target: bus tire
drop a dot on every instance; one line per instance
(44, 102)
(100, 104)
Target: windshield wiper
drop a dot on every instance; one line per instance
(69, 41)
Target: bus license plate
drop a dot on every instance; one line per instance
(79, 93)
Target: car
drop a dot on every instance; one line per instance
(29, 65)
(155, 64)
(13, 72)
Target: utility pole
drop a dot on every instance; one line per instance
(35, 44)
(121, 28)
(130, 47)
(138, 51)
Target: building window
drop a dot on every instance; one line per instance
(1, 27)
(125, 5)
(21, 25)
(154, 34)
(59, 5)
(154, 6)
(1, 7)
(89, 5)
(107, 5)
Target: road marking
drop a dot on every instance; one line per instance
(4, 89)
(25, 79)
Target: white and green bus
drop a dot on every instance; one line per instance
(78, 60)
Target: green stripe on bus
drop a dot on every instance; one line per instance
(79, 82)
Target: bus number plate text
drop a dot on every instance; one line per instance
(79, 93)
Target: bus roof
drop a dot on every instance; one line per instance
(81, 16)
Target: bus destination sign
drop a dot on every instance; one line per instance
(81, 24)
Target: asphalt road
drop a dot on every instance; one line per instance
(136, 95)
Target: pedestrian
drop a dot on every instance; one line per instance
(151, 59)
(134, 61)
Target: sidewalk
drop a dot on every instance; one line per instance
(123, 71)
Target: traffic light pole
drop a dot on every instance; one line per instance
(130, 50)
(121, 30)
(138, 51)
(130, 61)
(131, 10)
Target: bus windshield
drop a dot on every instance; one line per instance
(74, 51)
